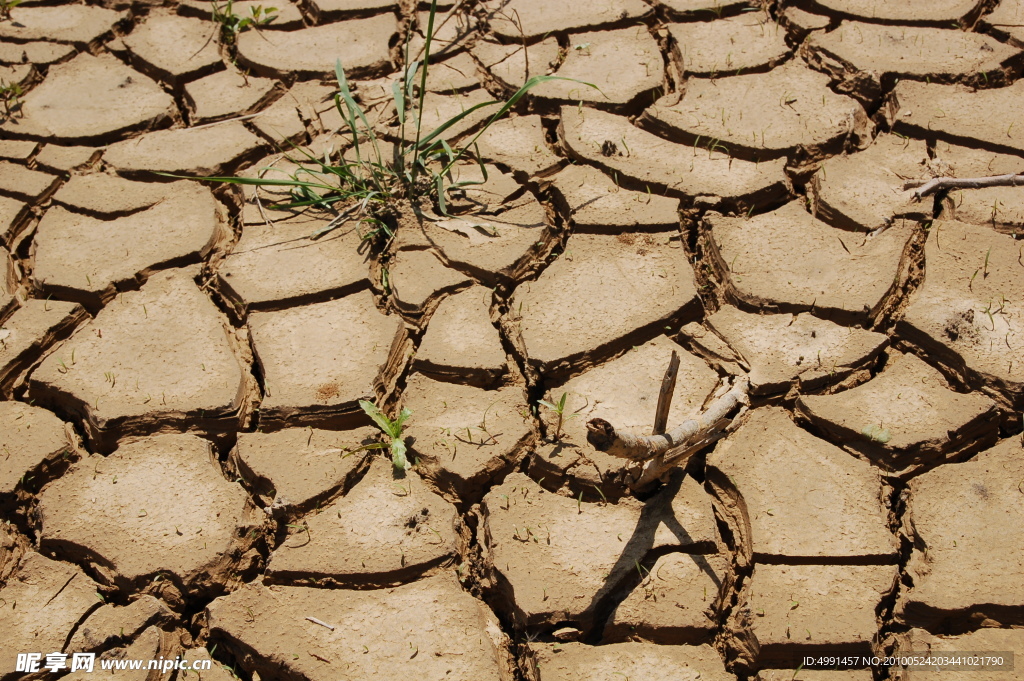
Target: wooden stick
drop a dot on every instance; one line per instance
(320, 622)
(603, 436)
(668, 389)
(927, 187)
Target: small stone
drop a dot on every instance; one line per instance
(320, 359)
(174, 48)
(464, 437)
(750, 41)
(595, 203)
(297, 469)
(792, 496)
(633, 287)
(313, 51)
(227, 94)
(197, 543)
(967, 527)
(787, 260)
(461, 344)
(387, 530)
(204, 151)
(90, 100)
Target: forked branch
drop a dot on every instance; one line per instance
(928, 187)
(659, 453)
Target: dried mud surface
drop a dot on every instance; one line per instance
(184, 466)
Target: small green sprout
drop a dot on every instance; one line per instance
(393, 430)
(559, 410)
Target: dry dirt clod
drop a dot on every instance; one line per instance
(112, 624)
(624, 65)
(515, 19)
(174, 48)
(512, 65)
(781, 351)
(296, 469)
(227, 94)
(385, 530)
(867, 58)
(40, 605)
(797, 609)
(204, 151)
(33, 443)
(313, 51)
(124, 516)
(559, 559)
(958, 114)
(744, 43)
(91, 100)
(32, 330)
(520, 144)
(613, 142)
(963, 316)
(789, 260)
(461, 344)
(88, 259)
(623, 391)
(420, 282)
(594, 203)
(276, 264)
(967, 525)
(634, 289)
(790, 496)
(678, 602)
(428, 629)
(905, 418)
(579, 662)
(864, 191)
(319, 360)
(464, 437)
(28, 185)
(155, 357)
(77, 24)
(806, 117)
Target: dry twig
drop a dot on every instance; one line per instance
(928, 187)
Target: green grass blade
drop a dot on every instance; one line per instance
(425, 143)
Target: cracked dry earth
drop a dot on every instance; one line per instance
(180, 365)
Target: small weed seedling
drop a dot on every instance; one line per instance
(393, 430)
(371, 183)
(232, 24)
(559, 410)
(10, 97)
(5, 8)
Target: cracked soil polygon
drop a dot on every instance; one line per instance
(461, 344)
(579, 662)
(743, 43)
(595, 203)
